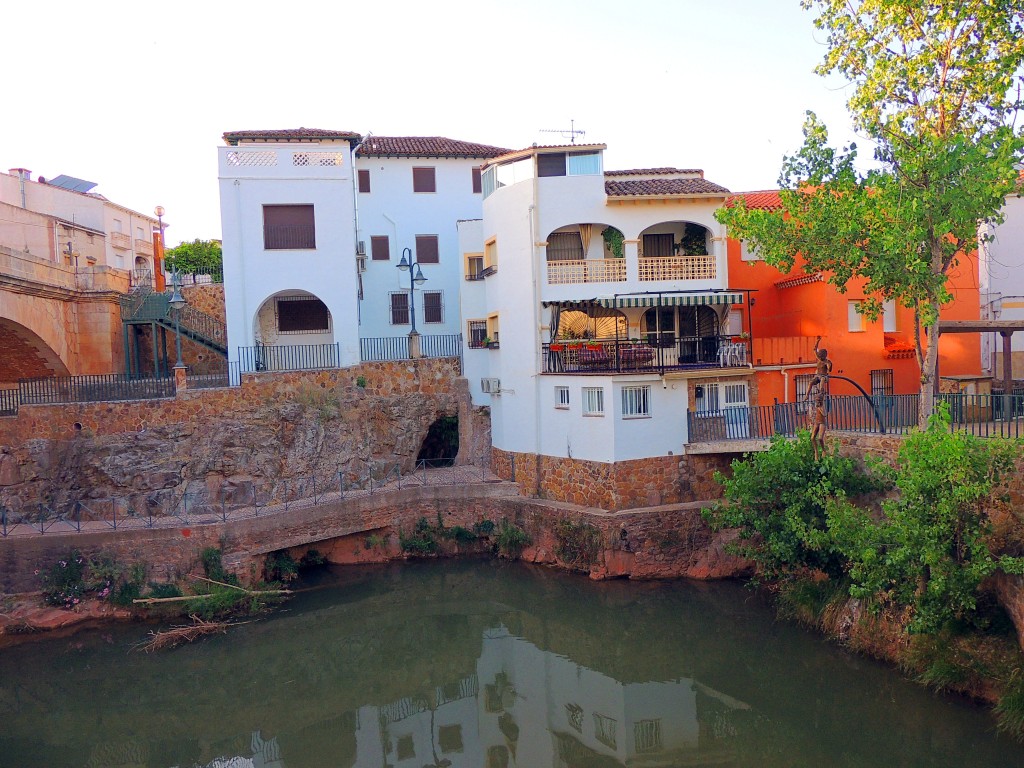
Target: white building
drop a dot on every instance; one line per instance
(1001, 279)
(412, 192)
(602, 316)
(315, 223)
(86, 229)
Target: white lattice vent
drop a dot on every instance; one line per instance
(317, 159)
(251, 159)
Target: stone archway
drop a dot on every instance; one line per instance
(24, 355)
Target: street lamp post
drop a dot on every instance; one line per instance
(159, 211)
(177, 303)
(415, 278)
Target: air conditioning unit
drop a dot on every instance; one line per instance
(361, 248)
(490, 386)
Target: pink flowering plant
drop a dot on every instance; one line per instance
(69, 580)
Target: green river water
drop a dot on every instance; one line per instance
(484, 664)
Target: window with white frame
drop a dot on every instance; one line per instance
(748, 252)
(636, 402)
(854, 317)
(734, 322)
(593, 401)
(889, 317)
(562, 397)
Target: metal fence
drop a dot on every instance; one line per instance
(229, 376)
(981, 415)
(89, 389)
(234, 501)
(288, 357)
(8, 402)
(376, 349)
(200, 276)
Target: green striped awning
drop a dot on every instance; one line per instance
(655, 300)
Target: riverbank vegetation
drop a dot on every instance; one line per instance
(897, 560)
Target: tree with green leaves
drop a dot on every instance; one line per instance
(198, 256)
(929, 549)
(936, 86)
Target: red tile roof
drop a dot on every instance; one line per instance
(285, 134)
(426, 146)
(641, 187)
(798, 280)
(898, 349)
(767, 199)
(656, 172)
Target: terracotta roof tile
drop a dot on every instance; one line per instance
(798, 280)
(425, 146)
(640, 187)
(898, 349)
(656, 172)
(767, 199)
(284, 134)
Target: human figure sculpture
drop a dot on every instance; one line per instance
(818, 389)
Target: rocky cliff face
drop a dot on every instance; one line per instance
(274, 436)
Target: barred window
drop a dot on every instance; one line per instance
(604, 730)
(433, 307)
(561, 397)
(636, 402)
(476, 332)
(593, 401)
(400, 308)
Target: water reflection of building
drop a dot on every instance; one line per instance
(529, 708)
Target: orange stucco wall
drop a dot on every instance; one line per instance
(786, 321)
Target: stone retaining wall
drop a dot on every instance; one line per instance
(660, 542)
(613, 486)
(273, 428)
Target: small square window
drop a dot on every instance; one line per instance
(636, 402)
(288, 227)
(405, 748)
(474, 266)
(380, 247)
(562, 397)
(748, 252)
(424, 180)
(449, 738)
(426, 249)
(476, 332)
(364, 181)
(593, 401)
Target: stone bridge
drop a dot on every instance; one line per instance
(58, 320)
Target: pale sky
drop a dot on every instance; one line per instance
(136, 95)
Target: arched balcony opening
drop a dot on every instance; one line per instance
(676, 250)
(585, 253)
(293, 330)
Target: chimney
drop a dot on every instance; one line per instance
(23, 174)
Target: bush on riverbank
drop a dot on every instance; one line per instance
(904, 578)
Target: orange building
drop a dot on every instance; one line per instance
(788, 312)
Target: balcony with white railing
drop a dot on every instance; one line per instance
(143, 248)
(287, 161)
(576, 271)
(678, 268)
(121, 241)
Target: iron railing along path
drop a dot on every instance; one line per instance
(150, 307)
(982, 415)
(96, 388)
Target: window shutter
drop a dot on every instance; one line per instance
(288, 226)
(426, 249)
(399, 309)
(477, 187)
(433, 308)
(551, 165)
(423, 180)
(364, 181)
(380, 248)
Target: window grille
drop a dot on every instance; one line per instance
(636, 402)
(593, 401)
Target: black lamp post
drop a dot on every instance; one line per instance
(177, 303)
(415, 278)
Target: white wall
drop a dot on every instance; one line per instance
(1001, 273)
(392, 209)
(476, 363)
(252, 274)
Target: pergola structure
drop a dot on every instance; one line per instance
(1004, 328)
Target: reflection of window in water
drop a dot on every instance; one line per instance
(647, 735)
(449, 738)
(404, 747)
(497, 757)
(574, 713)
(604, 730)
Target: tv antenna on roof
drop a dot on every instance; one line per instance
(571, 134)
